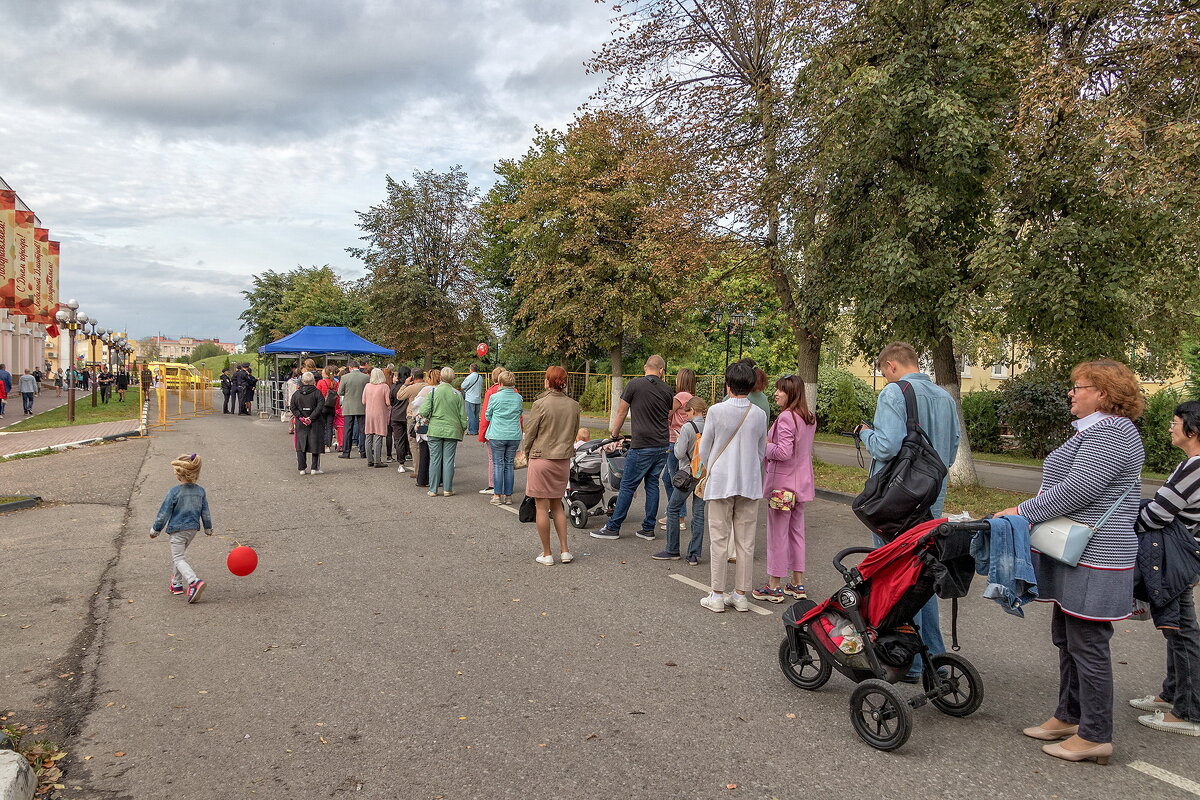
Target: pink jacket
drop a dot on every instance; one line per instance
(789, 456)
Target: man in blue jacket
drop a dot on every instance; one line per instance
(938, 415)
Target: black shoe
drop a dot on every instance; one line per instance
(910, 678)
(343, 455)
(647, 535)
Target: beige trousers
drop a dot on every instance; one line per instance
(736, 517)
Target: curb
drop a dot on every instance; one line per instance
(17, 505)
(834, 497)
(17, 781)
(80, 443)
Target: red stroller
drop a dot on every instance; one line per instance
(866, 631)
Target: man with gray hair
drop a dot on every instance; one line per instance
(28, 387)
(350, 389)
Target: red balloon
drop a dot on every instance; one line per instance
(482, 349)
(242, 560)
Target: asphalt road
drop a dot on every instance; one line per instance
(394, 645)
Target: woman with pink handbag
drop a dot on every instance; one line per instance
(787, 487)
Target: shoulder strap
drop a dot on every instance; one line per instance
(1113, 508)
(731, 436)
(910, 405)
(692, 422)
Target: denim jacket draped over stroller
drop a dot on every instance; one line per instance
(1003, 556)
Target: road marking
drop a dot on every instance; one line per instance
(511, 509)
(706, 588)
(1161, 774)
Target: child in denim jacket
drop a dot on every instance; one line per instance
(182, 513)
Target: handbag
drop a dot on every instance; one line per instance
(520, 460)
(423, 425)
(1064, 539)
(902, 494)
(528, 510)
(702, 483)
(782, 500)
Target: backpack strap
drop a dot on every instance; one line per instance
(912, 421)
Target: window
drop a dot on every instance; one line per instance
(965, 372)
(999, 371)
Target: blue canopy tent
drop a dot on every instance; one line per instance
(313, 340)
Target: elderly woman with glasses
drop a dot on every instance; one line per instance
(1095, 475)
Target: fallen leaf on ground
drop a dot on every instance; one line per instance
(731, 786)
(88, 758)
(119, 753)
(323, 740)
(790, 716)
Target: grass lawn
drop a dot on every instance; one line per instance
(84, 414)
(975, 499)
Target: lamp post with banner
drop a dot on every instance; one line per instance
(68, 315)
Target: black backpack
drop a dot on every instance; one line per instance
(900, 495)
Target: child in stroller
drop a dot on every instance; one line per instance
(594, 467)
(866, 631)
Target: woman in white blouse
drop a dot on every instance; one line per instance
(732, 451)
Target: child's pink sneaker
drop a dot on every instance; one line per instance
(177, 588)
(194, 590)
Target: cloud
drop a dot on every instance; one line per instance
(177, 148)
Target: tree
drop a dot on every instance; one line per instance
(282, 303)
(599, 245)
(910, 97)
(205, 350)
(148, 349)
(419, 243)
(717, 75)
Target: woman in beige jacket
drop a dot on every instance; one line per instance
(549, 443)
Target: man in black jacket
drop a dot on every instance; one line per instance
(247, 395)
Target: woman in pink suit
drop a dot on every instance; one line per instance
(788, 486)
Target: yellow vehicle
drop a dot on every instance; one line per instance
(176, 375)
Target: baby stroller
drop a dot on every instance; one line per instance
(866, 631)
(592, 470)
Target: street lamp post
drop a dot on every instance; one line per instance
(68, 317)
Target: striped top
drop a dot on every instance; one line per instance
(1179, 498)
(1083, 478)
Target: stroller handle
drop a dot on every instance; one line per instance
(849, 551)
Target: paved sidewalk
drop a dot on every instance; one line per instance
(24, 441)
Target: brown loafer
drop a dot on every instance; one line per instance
(1050, 734)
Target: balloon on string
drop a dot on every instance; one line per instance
(242, 560)
(482, 349)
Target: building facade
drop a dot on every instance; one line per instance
(172, 349)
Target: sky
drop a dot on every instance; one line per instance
(176, 148)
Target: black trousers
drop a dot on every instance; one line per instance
(423, 469)
(399, 436)
(300, 460)
(227, 407)
(246, 399)
(1182, 686)
(1085, 682)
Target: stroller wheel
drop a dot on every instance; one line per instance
(965, 692)
(809, 670)
(881, 717)
(578, 513)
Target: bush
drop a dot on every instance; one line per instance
(594, 396)
(1161, 455)
(981, 414)
(843, 400)
(1037, 412)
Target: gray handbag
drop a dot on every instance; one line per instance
(1064, 539)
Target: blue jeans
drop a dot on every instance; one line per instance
(677, 504)
(441, 463)
(669, 472)
(473, 418)
(27, 401)
(644, 464)
(503, 453)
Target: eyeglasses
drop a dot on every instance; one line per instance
(1077, 388)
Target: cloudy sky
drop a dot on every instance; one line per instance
(177, 147)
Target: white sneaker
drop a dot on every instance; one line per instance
(1159, 723)
(401, 469)
(546, 560)
(317, 472)
(488, 490)
(303, 472)
(566, 557)
(1148, 703)
(713, 603)
(738, 601)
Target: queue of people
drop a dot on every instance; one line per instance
(725, 460)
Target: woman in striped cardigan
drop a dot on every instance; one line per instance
(1098, 468)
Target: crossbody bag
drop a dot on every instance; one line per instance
(683, 479)
(1064, 539)
(702, 484)
(423, 426)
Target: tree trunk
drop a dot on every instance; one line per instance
(618, 383)
(428, 362)
(947, 374)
